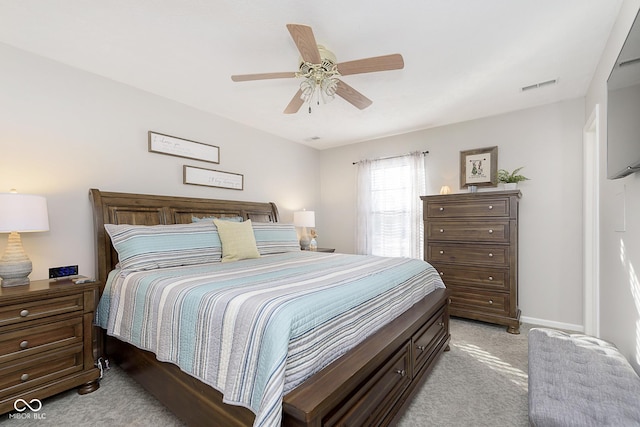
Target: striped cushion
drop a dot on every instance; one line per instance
(142, 247)
(274, 238)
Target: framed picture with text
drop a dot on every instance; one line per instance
(479, 167)
(180, 147)
(212, 178)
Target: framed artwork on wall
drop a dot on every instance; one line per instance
(212, 178)
(479, 167)
(180, 147)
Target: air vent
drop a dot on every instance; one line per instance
(540, 85)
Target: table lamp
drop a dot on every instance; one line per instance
(304, 219)
(19, 213)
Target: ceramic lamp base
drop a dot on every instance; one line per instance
(15, 265)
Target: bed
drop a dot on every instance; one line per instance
(371, 375)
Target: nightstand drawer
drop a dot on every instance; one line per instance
(475, 231)
(468, 208)
(34, 309)
(29, 372)
(39, 336)
(472, 254)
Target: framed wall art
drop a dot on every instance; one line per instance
(479, 167)
(180, 147)
(212, 178)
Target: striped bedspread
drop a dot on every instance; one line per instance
(255, 329)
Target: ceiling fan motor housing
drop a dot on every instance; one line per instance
(328, 63)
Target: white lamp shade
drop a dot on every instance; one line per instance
(23, 213)
(304, 219)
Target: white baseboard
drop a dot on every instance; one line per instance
(552, 324)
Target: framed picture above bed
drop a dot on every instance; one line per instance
(180, 147)
(479, 167)
(212, 178)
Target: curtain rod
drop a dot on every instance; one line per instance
(392, 157)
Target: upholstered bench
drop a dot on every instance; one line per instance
(579, 380)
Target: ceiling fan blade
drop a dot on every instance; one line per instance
(302, 36)
(352, 96)
(262, 76)
(295, 103)
(370, 65)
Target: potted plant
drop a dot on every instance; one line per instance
(511, 179)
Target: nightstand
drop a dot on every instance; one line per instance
(46, 340)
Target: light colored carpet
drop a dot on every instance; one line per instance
(482, 381)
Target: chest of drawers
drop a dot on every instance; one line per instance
(472, 240)
(46, 340)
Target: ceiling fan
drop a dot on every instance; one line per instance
(320, 72)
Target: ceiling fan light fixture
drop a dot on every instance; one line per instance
(319, 81)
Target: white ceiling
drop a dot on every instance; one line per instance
(464, 59)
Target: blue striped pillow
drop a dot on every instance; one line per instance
(274, 237)
(147, 247)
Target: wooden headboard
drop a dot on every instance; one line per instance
(145, 209)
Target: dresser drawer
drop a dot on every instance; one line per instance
(35, 309)
(39, 336)
(426, 340)
(498, 207)
(30, 372)
(486, 277)
(495, 231)
(375, 398)
(485, 302)
(489, 255)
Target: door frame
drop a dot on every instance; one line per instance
(591, 222)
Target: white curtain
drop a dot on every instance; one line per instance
(389, 209)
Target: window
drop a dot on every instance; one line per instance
(389, 212)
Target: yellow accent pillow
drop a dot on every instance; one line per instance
(238, 240)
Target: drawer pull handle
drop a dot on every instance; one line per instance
(490, 231)
(490, 301)
(442, 230)
(490, 255)
(440, 323)
(402, 372)
(24, 313)
(441, 209)
(441, 252)
(420, 348)
(24, 344)
(442, 273)
(24, 377)
(490, 277)
(490, 207)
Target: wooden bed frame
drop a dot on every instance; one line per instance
(369, 385)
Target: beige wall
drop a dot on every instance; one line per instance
(547, 141)
(619, 251)
(63, 131)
